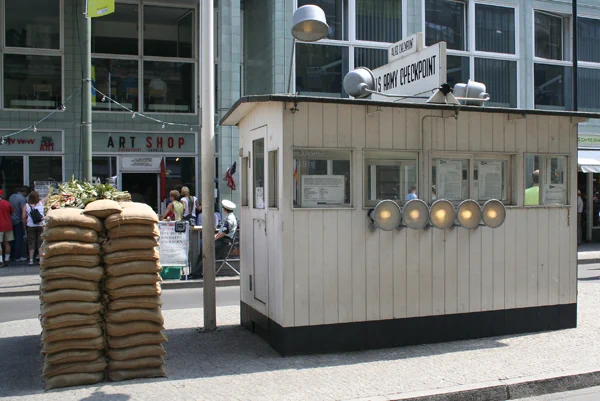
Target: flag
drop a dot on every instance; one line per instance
(229, 176)
(163, 180)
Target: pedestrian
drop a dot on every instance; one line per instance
(189, 205)
(412, 193)
(17, 201)
(6, 229)
(33, 215)
(175, 208)
(579, 211)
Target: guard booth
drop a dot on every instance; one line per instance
(320, 273)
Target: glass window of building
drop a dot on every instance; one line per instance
(32, 82)
(390, 175)
(588, 82)
(258, 168)
(168, 87)
(457, 69)
(552, 85)
(168, 32)
(11, 173)
(370, 58)
(545, 180)
(494, 29)
(118, 79)
(500, 77)
(320, 69)
(587, 39)
(45, 168)
(379, 20)
(336, 14)
(445, 20)
(181, 172)
(117, 33)
(104, 168)
(548, 36)
(32, 24)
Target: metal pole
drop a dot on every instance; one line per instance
(575, 55)
(86, 124)
(289, 85)
(208, 165)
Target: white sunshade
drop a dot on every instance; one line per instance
(589, 161)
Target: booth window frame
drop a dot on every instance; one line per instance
(472, 158)
(350, 205)
(543, 175)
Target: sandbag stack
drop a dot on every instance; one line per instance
(73, 341)
(134, 321)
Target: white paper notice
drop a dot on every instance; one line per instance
(322, 190)
(490, 180)
(260, 198)
(449, 178)
(554, 195)
(173, 245)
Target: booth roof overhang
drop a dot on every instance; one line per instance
(589, 161)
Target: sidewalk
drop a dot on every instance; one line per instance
(588, 252)
(234, 364)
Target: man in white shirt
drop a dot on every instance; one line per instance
(579, 211)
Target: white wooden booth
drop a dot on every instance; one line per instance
(316, 278)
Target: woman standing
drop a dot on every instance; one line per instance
(175, 208)
(33, 213)
(189, 204)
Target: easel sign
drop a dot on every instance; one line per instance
(173, 245)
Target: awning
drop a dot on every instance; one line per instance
(589, 161)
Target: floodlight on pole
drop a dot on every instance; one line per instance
(309, 25)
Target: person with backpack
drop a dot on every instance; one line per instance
(33, 214)
(6, 228)
(189, 205)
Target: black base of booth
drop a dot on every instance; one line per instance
(409, 331)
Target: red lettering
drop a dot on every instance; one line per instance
(148, 142)
(159, 142)
(170, 142)
(31, 141)
(181, 141)
(11, 141)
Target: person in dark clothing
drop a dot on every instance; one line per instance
(17, 201)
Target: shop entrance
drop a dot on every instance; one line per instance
(143, 187)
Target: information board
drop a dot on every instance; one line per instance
(43, 187)
(326, 190)
(173, 245)
(490, 180)
(450, 182)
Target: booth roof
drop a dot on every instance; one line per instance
(245, 104)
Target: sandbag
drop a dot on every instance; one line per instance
(136, 327)
(93, 274)
(70, 260)
(134, 267)
(70, 295)
(70, 234)
(123, 354)
(135, 302)
(73, 379)
(135, 291)
(72, 333)
(63, 308)
(70, 217)
(70, 320)
(119, 375)
(136, 340)
(112, 283)
(74, 356)
(128, 256)
(102, 208)
(138, 213)
(128, 244)
(129, 315)
(97, 365)
(50, 249)
(134, 230)
(68, 283)
(139, 363)
(69, 345)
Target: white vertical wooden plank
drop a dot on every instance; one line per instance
(553, 255)
(330, 267)
(510, 260)
(344, 257)
(301, 274)
(315, 267)
(462, 132)
(573, 212)
(359, 226)
(487, 132)
(553, 136)
(437, 127)
(475, 270)
(521, 257)
(451, 271)
(564, 133)
(372, 274)
(543, 134)
(287, 238)
(386, 275)
(412, 273)
(344, 124)
(564, 256)
(498, 134)
(413, 129)
(474, 132)
(463, 269)
(386, 128)
(301, 128)
(438, 271)
(425, 273)
(543, 251)
(499, 267)
(400, 132)
(532, 257)
(315, 125)
(400, 279)
(521, 144)
(426, 132)
(532, 133)
(450, 133)
(330, 121)
(510, 140)
(372, 134)
(487, 268)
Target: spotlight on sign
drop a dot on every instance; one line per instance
(472, 93)
(359, 83)
(469, 214)
(386, 216)
(415, 214)
(493, 213)
(442, 214)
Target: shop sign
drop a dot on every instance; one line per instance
(406, 47)
(141, 164)
(34, 142)
(588, 141)
(137, 142)
(173, 245)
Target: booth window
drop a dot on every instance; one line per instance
(545, 180)
(321, 178)
(450, 179)
(490, 179)
(258, 166)
(104, 169)
(273, 179)
(390, 175)
(245, 186)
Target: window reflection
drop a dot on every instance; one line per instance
(168, 87)
(116, 33)
(32, 82)
(32, 24)
(118, 79)
(320, 69)
(168, 32)
(445, 21)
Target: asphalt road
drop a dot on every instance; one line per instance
(18, 308)
(586, 394)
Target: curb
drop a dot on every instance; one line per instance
(588, 261)
(500, 390)
(166, 285)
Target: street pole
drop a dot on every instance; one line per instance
(208, 165)
(575, 56)
(86, 124)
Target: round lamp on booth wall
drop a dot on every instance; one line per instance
(442, 214)
(493, 213)
(309, 24)
(359, 83)
(415, 214)
(386, 216)
(469, 214)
